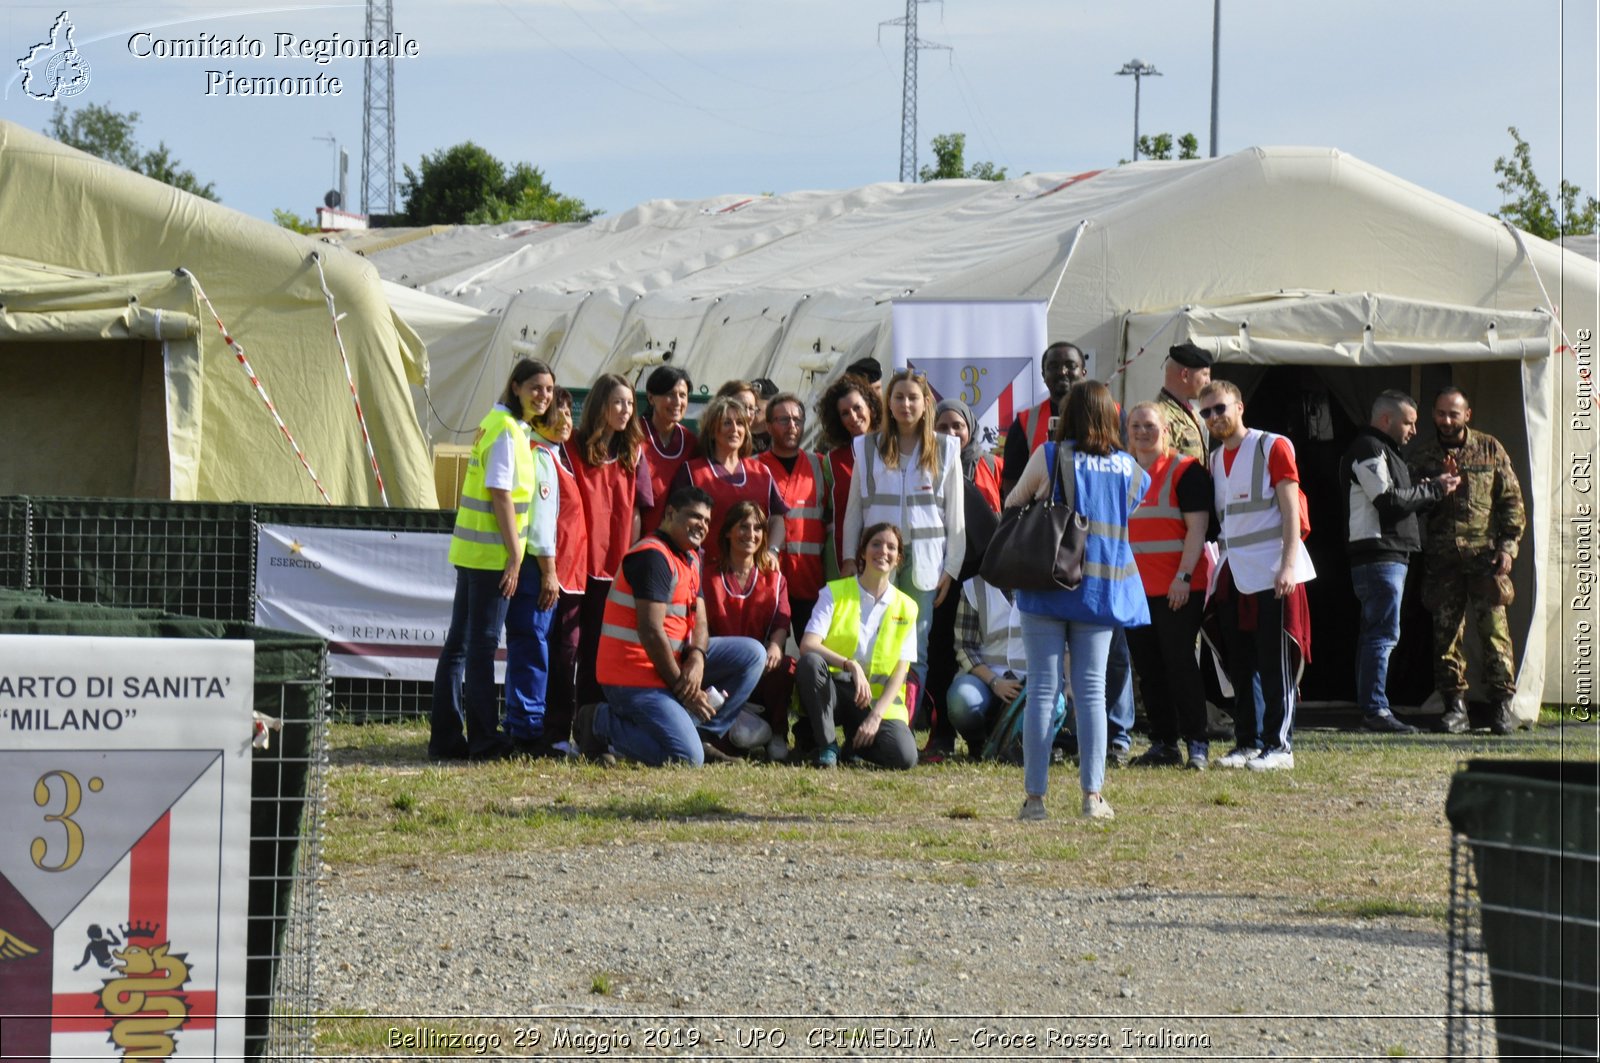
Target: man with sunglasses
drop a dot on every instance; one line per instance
(1259, 592)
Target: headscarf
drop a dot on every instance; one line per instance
(974, 449)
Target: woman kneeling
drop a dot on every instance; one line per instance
(857, 649)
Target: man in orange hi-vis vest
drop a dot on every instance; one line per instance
(669, 686)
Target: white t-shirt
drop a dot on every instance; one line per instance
(500, 463)
(872, 611)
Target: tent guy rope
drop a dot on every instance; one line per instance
(255, 381)
(361, 419)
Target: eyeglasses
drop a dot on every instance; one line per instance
(1208, 412)
(786, 420)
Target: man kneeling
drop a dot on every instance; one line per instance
(661, 672)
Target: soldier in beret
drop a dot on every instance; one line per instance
(1187, 371)
(1471, 541)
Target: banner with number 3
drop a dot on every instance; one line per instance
(124, 846)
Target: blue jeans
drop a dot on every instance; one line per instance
(527, 657)
(1043, 637)
(648, 724)
(972, 707)
(1379, 588)
(463, 683)
(924, 600)
(1119, 693)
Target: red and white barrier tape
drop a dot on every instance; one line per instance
(361, 419)
(1153, 337)
(255, 381)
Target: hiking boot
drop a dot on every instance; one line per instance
(590, 744)
(1033, 809)
(1454, 721)
(1096, 807)
(1238, 757)
(1504, 721)
(1386, 723)
(1160, 755)
(1272, 760)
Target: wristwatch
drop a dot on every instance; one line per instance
(1184, 577)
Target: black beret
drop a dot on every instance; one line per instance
(867, 368)
(1190, 356)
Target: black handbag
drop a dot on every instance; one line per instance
(1039, 546)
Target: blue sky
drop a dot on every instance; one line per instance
(621, 101)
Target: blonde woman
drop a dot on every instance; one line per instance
(910, 476)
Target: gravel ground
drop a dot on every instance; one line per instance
(647, 950)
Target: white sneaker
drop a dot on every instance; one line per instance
(1238, 757)
(1276, 760)
(749, 731)
(777, 749)
(1096, 807)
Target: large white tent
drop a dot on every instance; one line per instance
(1334, 265)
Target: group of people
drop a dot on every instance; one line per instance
(650, 581)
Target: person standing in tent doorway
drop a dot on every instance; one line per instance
(486, 549)
(1470, 543)
(1260, 592)
(1383, 508)
(1187, 372)
(1062, 366)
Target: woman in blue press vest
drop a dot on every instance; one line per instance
(1109, 484)
(486, 549)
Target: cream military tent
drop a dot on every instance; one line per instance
(1350, 280)
(118, 381)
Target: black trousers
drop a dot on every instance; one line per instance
(1169, 676)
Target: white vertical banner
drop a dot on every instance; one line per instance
(124, 846)
(985, 353)
(381, 599)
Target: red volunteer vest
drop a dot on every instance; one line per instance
(572, 525)
(608, 498)
(842, 463)
(755, 486)
(665, 457)
(1036, 425)
(623, 661)
(986, 478)
(803, 529)
(1156, 529)
(729, 613)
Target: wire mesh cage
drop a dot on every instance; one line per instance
(192, 558)
(1469, 1030)
(1524, 970)
(287, 790)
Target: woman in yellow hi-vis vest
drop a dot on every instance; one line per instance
(486, 549)
(858, 647)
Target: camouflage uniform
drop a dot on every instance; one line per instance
(1183, 428)
(1460, 538)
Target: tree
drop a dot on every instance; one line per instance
(288, 219)
(949, 151)
(465, 184)
(1159, 147)
(1527, 203)
(108, 134)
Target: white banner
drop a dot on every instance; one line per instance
(381, 598)
(984, 353)
(124, 846)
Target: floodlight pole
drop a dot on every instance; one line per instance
(1216, 66)
(1139, 69)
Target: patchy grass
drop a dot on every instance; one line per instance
(1357, 829)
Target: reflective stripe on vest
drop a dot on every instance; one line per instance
(476, 541)
(844, 632)
(622, 660)
(1036, 425)
(919, 514)
(804, 531)
(1157, 528)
